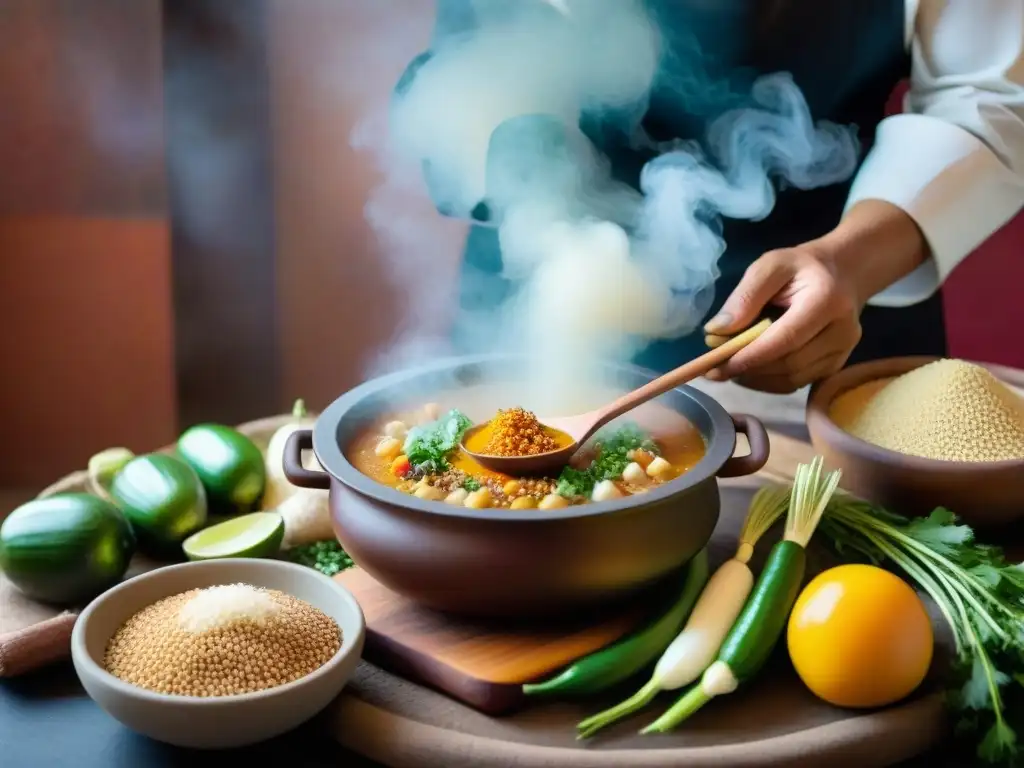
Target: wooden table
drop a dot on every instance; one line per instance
(46, 719)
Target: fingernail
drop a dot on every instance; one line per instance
(718, 323)
(714, 375)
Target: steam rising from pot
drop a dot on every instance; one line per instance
(597, 268)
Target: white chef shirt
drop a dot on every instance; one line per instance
(954, 160)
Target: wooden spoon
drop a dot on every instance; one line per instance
(581, 428)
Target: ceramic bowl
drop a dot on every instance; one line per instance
(984, 494)
(228, 721)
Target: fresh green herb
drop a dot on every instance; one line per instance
(613, 447)
(325, 556)
(575, 482)
(621, 440)
(979, 594)
(427, 446)
(471, 484)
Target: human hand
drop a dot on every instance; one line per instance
(822, 286)
(816, 333)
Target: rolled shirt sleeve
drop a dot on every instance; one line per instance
(954, 160)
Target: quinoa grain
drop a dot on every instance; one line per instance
(183, 646)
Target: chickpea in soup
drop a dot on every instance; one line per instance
(425, 459)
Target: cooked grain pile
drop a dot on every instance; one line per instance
(222, 641)
(517, 432)
(948, 410)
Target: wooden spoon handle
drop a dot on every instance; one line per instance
(683, 374)
(713, 340)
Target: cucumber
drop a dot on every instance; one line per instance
(164, 500)
(229, 464)
(757, 630)
(65, 549)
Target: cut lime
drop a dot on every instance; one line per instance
(258, 534)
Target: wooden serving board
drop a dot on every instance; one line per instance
(480, 664)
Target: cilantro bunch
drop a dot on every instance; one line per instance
(980, 595)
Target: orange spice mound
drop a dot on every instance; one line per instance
(516, 432)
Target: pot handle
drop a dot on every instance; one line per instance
(297, 474)
(760, 447)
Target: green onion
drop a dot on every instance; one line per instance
(721, 601)
(757, 630)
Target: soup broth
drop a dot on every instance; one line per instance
(653, 446)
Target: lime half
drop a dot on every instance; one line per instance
(258, 534)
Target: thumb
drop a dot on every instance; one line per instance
(759, 284)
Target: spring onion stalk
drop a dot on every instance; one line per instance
(757, 630)
(720, 602)
(620, 661)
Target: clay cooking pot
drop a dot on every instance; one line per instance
(517, 563)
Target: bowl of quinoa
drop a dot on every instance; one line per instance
(916, 433)
(220, 653)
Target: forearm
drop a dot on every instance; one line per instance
(875, 245)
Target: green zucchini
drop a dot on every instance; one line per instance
(65, 549)
(164, 500)
(759, 626)
(230, 467)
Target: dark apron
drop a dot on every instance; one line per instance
(845, 55)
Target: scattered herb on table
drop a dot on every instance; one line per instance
(427, 446)
(325, 556)
(980, 595)
(612, 448)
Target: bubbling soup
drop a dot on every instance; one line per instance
(417, 451)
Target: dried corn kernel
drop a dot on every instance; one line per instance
(634, 474)
(429, 492)
(524, 502)
(606, 490)
(457, 497)
(396, 429)
(388, 448)
(553, 501)
(479, 499)
(658, 467)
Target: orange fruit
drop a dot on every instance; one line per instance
(859, 637)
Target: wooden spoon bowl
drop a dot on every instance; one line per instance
(582, 427)
(520, 466)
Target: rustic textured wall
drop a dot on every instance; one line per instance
(84, 247)
(333, 66)
(85, 256)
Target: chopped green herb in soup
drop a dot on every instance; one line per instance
(424, 459)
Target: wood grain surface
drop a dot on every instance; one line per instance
(480, 664)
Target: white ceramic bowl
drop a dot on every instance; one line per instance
(227, 721)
